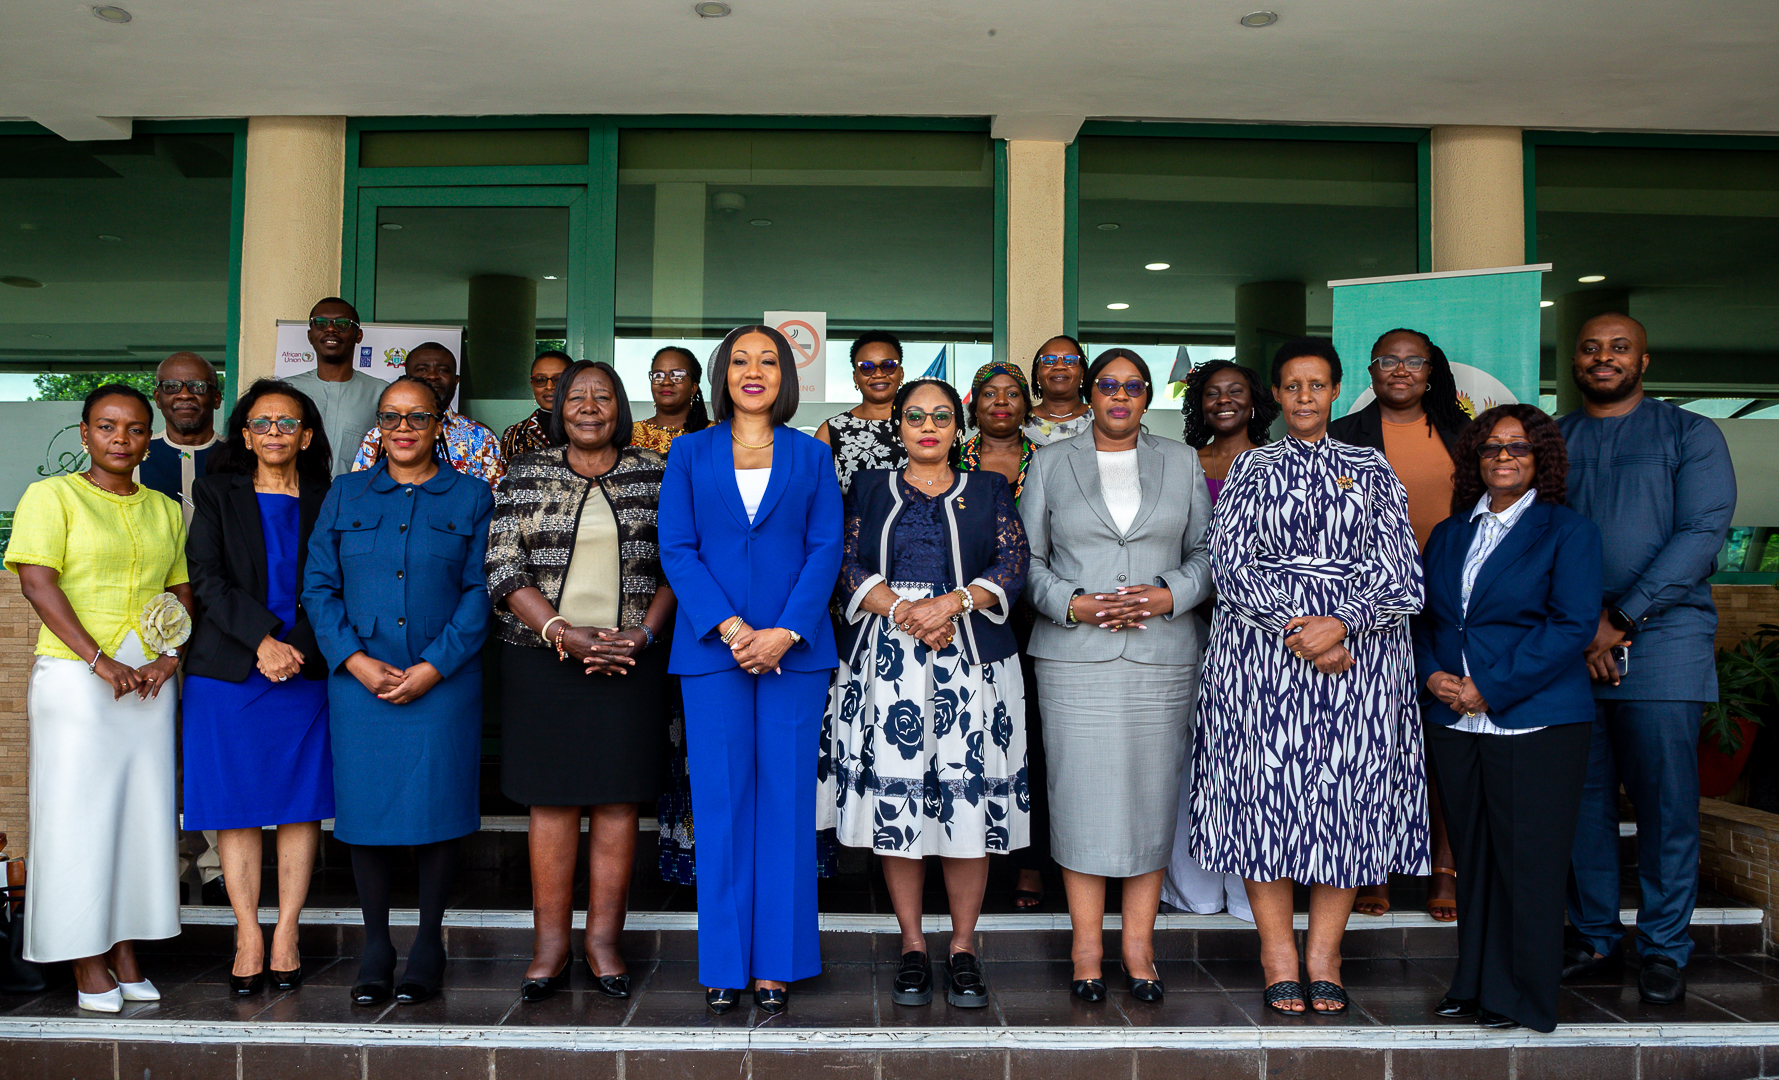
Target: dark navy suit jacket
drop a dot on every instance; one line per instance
(1533, 610)
(775, 571)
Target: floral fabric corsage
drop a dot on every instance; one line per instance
(165, 623)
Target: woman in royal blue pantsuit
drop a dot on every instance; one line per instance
(750, 531)
(396, 591)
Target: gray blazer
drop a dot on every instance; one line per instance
(1075, 547)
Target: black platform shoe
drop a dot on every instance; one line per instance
(914, 980)
(721, 1001)
(966, 989)
(546, 987)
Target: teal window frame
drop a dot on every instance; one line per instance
(237, 208)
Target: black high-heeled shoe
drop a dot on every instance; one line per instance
(1089, 990)
(771, 1002)
(414, 993)
(540, 989)
(287, 980)
(721, 1000)
(612, 986)
(375, 992)
(247, 985)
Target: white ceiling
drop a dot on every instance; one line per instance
(1593, 64)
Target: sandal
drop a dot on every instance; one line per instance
(1283, 992)
(1322, 990)
(1027, 900)
(1373, 905)
(1441, 909)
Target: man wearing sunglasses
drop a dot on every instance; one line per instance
(345, 398)
(471, 448)
(187, 393)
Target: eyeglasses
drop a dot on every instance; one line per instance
(917, 417)
(1065, 359)
(200, 387)
(1133, 387)
(872, 367)
(1490, 450)
(263, 425)
(419, 421)
(322, 322)
(1412, 363)
(677, 375)
(541, 381)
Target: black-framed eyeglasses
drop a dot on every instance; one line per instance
(200, 387)
(1490, 450)
(1064, 359)
(322, 322)
(1133, 387)
(872, 367)
(419, 421)
(1412, 363)
(541, 381)
(916, 417)
(677, 375)
(263, 425)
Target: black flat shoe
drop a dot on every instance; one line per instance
(1485, 1018)
(1579, 960)
(414, 993)
(612, 986)
(287, 980)
(914, 980)
(1661, 982)
(371, 993)
(245, 985)
(966, 988)
(721, 1001)
(1284, 992)
(1089, 989)
(544, 988)
(1323, 990)
(771, 1002)
(1456, 1008)
(1148, 990)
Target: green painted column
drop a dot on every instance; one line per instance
(1573, 309)
(501, 339)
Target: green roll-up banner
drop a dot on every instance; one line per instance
(1485, 320)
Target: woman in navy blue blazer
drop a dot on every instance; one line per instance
(396, 592)
(1513, 599)
(750, 533)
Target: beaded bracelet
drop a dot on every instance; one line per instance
(892, 611)
(968, 599)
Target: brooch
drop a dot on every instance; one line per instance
(1345, 483)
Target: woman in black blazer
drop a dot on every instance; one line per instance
(255, 711)
(1513, 599)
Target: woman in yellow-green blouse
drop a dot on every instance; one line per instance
(95, 552)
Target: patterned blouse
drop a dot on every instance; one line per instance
(537, 511)
(970, 458)
(471, 448)
(864, 444)
(527, 436)
(1044, 432)
(654, 437)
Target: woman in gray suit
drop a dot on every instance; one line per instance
(1116, 519)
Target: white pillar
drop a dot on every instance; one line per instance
(1036, 173)
(1479, 198)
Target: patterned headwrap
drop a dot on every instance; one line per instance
(1000, 367)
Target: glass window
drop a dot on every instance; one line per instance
(1197, 249)
(879, 229)
(112, 255)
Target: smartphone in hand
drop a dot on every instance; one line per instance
(1621, 659)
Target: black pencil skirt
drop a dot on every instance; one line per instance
(571, 739)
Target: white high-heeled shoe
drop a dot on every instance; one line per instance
(137, 991)
(110, 1001)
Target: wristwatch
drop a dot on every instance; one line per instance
(1621, 622)
(796, 638)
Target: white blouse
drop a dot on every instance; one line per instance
(752, 483)
(1119, 485)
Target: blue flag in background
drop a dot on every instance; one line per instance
(936, 369)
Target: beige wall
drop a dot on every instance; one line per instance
(1035, 221)
(1479, 208)
(290, 227)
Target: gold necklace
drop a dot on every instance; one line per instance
(87, 476)
(748, 445)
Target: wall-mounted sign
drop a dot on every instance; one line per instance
(807, 331)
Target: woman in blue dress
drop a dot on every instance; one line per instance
(1308, 764)
(256, 744)
(396, 589)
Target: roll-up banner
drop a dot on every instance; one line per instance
(1485, 320)
(382, 353)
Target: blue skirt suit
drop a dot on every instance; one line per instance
(752, 740)
(395, 570)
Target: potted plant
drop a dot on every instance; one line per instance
(1747, 689)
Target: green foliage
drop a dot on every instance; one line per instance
(1747, 686)
(77, 387)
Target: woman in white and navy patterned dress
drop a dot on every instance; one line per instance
(1308, 765)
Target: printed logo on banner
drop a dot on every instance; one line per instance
(394, 357)
(364, 356)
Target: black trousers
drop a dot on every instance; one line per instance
(1511, 803)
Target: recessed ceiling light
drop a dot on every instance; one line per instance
(390, 226)
(1547, 303)
(760, 221)
(1116, 307)
(549, 277)
(1156, 266)
(41, 337)
(21, 282)
(1589, 279)
(1108, 226)
(27, 226)
(111, 13)
(110, 239)
(1257, 19)
(712, 10)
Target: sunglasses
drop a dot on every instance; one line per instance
(322, 322)
(677, 375)
(419, 421)
(263, 425)
(1065, 359)
(541, 381)
(872, 367)
(200, 387)
(1491, 450)
(1412, 363)
(917, 417)
(1133, 387)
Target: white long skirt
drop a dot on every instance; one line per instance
(104, 858)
